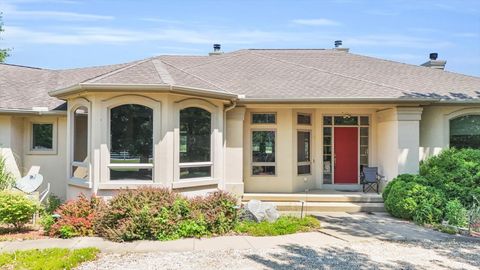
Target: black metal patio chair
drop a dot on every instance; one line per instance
(370, 179)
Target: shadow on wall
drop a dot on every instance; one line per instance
(301, 257)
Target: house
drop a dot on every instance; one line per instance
(255, 120)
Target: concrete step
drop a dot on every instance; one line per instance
(350, 207)
(276, 197)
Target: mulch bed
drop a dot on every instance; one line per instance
(29, 232)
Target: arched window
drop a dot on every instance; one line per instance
(465, 132)
(195, 143)
(131, 141)
(80, 143)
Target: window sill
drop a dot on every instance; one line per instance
(78, 182)
(194, 183)
(42, 152)
(132, 184)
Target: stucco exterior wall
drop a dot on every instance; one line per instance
(434, 127)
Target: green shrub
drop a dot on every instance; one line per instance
(77, 218)
(160, 214)
(402, 177)
(16, 209)
(52, 203)
(47, 222)
(410, 200)
(456, 214)
(455, 172)
(6, 178)
(284, 225)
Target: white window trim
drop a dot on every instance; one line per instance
(453, 115)
(254, 164)
(258, 124)
(214, 118)
(82, 182)
(304, 163)
(107, 105)
(29, 134)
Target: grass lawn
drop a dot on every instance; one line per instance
(284, 225)
(52, 258)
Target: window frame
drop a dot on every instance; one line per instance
(453, 115)
(107, 105)
(199, 164)
(455, 118)
(310, 156)
(41, 120)
(83, 182)
(255, 164)
(257, 124)
(304, 114)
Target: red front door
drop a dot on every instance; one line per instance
(346, 155)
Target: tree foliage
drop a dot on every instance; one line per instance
(3, 52)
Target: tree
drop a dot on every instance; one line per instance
(3, 52)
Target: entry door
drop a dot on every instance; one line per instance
(346, 155)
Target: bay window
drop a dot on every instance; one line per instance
(195, 143)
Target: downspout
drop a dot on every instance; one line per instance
(233, 104)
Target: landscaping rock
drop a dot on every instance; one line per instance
(262, 210)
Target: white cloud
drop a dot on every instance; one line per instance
(466, 35)
(401, 41)
(316, 22)
(11, 11)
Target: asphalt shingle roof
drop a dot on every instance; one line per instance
(254, 74)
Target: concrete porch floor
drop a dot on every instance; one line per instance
(321, 200)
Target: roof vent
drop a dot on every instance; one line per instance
(434, 63)
(216, 49)
(338, 46)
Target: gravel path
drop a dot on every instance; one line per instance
(347, 255)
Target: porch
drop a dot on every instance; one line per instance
(321, 200)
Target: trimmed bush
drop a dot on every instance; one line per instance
(160, 214)
(456, 214)
(77, 218)
(410, 200)
(16, 209)
(455, 172)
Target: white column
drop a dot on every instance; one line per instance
(234, 151)
(398, 140)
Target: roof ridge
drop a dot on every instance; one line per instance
(115, 71)
(162, 71)
(193, 75)
(333, 73)
(225, 56)
(23, 66)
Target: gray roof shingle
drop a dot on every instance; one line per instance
(254, 73)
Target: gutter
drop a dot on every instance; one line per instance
(336, 100)
(31, 112)
(178, 89)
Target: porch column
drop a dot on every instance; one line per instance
(234, 151)
(398, 133)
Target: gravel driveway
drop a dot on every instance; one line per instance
(346, 241)
(357, 255)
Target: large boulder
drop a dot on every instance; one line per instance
(261, 211)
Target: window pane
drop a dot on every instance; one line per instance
(327, 150)
(42, 136)
(131, 129)
(364, 131)
(327, 140)
(263, 146)
(263, 170)
(303, 169)
(303, 146)
(327, 131)
(364, 121)
(327, 164)
(195, 135)
(465, 132)
(327, 120)
(346, 121)
(130, 174)
(327, 178)
(363, 140)
(195, 172)
(264, 118)
(80, 133)
(304, 119)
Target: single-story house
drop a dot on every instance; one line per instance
(253, 120)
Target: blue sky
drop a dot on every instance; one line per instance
(75, 33)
